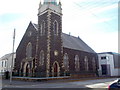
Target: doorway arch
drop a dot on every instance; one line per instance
(26, 69)
(55, 69)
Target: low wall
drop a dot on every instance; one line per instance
(39, 79)
(82, 75)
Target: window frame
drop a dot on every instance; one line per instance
(41, 58)
(94, 63)
(66, 61)
(86, 63)
(42, 28)
(29, 50)
(77, 63)
(55, 27)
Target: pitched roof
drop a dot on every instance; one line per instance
(7, 56)
(35, 25)
(72, 42)
(75, 43)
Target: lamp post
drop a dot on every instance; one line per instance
(12, 57)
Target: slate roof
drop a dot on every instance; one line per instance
(72, 42)
(6, 56)
(35, 25)
(75, 43)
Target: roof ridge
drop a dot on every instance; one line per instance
(76, 43)
(7, 55)
(34, 25)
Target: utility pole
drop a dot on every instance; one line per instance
(12, 57)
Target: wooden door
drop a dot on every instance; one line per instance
(55, 70)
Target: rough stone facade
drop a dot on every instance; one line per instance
(30, 36)
(43, 39)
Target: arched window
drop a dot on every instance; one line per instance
(94, 64)
(41, 57)
(55, 27)
(77, 63)
(66, 62)
(86, 63)
(42, 28)
(29, 50)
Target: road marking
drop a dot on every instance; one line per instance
(99, 85)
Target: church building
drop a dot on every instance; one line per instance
(45, 51)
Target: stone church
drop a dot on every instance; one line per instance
(45, 51)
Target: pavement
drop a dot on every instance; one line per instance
(94, 82)
(23, 82)
(53, 84)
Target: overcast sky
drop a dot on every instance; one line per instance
(94, 21)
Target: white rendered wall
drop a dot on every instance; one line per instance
(108, 61)
(116, 72)
(8, 63)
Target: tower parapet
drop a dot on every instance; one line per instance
(50, 4)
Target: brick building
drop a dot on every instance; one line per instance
(45, 51)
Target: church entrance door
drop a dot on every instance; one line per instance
(27, 70)
(55, 70)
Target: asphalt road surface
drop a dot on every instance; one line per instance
(98, 83)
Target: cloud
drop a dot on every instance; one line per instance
(98, 0)
(102, 42)
(18, 6)
(76, 20)
(9, 17)
(106, 8)
(97, 9)
(102, 20)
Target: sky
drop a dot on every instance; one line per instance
(94, 21)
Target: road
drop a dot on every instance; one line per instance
(99, 83)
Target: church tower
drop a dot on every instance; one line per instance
(50, 48)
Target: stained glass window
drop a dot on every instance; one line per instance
(42, 57)
(66, 62)
(77, 63)
(29, 50)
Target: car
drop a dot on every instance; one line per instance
(115, 85)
